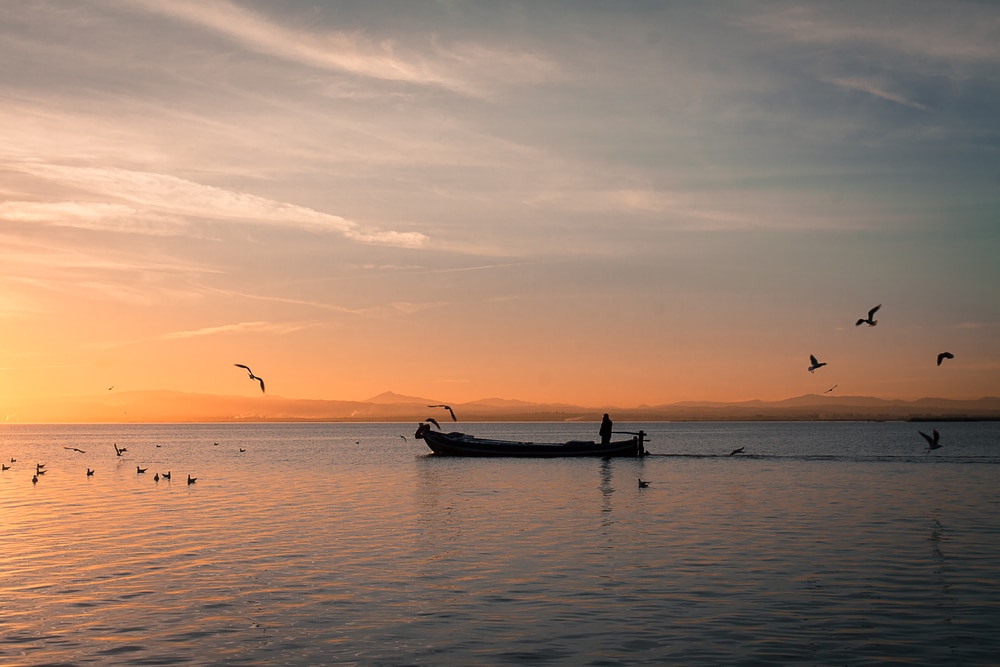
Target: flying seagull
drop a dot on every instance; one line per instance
(738, 450)
(831, 389)
(74, 449)
(943, 356)
(119, 450)
(434, 421)
(869, 321)
(932, 440)
(815, 364)
(448, 408)
(252, 376)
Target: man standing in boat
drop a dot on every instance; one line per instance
(605, 429)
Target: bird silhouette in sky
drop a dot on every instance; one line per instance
(932, 440)
(815, 364)
(252, 376)
(448, 408)
(738, 450)
(75, 449)
(868, 320)
(831, 389)
(944, 355)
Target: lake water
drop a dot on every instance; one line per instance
(824, 543)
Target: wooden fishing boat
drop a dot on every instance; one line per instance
(460, 444)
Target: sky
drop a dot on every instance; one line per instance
(587, 202)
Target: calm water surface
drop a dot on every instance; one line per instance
(825, 543)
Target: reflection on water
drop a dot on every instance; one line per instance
(828, 544)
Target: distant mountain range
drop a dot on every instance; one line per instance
(166, 406)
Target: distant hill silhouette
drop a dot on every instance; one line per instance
(167, 406)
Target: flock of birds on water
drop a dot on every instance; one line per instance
(933, 439)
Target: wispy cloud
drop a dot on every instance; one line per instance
(459, 69)
(239, 328)
(165, 204)
(935, 30)
(862, 86)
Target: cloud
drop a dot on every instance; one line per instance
(241, 327)
(969, 33)
(165, 204)
(861, 86)
(461, 69)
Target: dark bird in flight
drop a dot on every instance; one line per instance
(74, 449)
(166, 475)
(403, 437)
(642, 484)
(139, 471)
(932, 440)
(192, 480)
(869, 321)
(943, 356)
(90, 473)
(738, 450)
(119, 450)
(111, 387)
(831, 389)
(448, 408)
(434, 421)
(815, 364)
(252, 376)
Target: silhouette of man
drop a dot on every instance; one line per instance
(605, 429)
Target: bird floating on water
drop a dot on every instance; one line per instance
(869, 321)
(166, 475)
(815, 364)
(738, 450)
(156, 477)
(932, 440)
(944, 355)
(448, 408)
(192, 480)
(90, 473)
(252, 376)
(4, 466)
(34, 479)
(139, 471)
(642, 484)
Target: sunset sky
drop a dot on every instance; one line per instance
(586, 202)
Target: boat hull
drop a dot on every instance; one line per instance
(460, 444)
